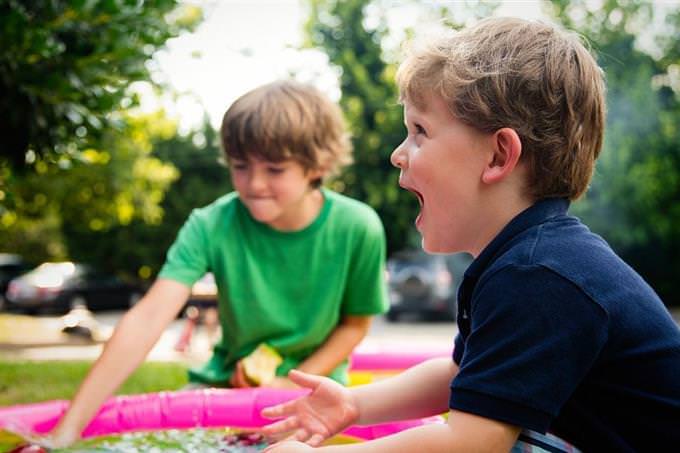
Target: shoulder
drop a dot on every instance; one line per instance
(564, 252)
(224, 203)
(351, 213)
(216, 212)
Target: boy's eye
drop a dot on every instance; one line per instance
(420, 129)
(276, 170)
(238, 166)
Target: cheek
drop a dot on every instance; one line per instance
(290, 184)
(238, 179)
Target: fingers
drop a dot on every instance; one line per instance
(281, 426)
(300, 435)
(315, 440)
(238, 378)
(280, 410)
(302, 379)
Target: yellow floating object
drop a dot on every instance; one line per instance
(260, 366)
(361, 377)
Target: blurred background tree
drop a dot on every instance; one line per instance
(77, 176)
(66, 67)
(634, 199)
(85, 176)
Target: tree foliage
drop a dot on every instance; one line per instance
(66, 66)
(78, 178)
(48, 213)
(123, 208)
(634, 200)
(202, 179)
(369, 100)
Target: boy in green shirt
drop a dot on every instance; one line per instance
(298, 267)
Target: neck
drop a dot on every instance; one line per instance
(307, 211)
(496, 213)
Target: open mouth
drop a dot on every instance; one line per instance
(418, 195)
(421, 200)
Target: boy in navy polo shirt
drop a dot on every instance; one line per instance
(557, 334)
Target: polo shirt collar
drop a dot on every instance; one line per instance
(534, 215)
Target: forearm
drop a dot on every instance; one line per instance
(133, 338)
(425, 439)
(337, 347)
(122, 354)
(463, 432)
(420, 391)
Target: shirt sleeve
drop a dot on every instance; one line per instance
(366, 290)
(458, 348)
(186, 260)
(533, 337)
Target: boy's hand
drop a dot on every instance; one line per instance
(39, 443)
(238, 378)
(326, 411)
(58, 438)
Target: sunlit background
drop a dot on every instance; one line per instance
(242, 44)
(110, 137)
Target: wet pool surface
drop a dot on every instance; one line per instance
(223, 440)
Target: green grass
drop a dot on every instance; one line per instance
(31, 382)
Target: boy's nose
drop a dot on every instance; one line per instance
(398, 157)
(256, 181)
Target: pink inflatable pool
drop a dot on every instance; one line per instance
(237, 408)
(371, 357)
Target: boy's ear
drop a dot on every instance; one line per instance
(507, 149)
(316, 174)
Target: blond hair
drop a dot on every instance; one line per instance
(526, 75)
(287, 120)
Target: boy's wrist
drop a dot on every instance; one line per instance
(60, 438)
(352, 408)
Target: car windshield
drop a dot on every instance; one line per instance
(51, 275)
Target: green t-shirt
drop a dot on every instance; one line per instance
(286, 289)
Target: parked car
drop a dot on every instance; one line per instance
(11, 266)
(59, 287)
(424, 284)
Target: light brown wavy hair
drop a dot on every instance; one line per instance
(287, 120)
(530, 76)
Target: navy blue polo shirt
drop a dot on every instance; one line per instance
(558, 333)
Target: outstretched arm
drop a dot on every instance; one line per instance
(463, 432)
(133, 338)
(420, 391)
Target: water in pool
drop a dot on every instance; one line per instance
(223, 440)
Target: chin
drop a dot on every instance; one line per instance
(433, 247)
(267, 219)
(428, 247)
